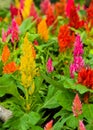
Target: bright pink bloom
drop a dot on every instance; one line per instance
(78, 46)
(77, 106)
(44, 5)
(49, 66)
(33, 12)
(81, 126)
(49, 125)
(4, 35)
(78, 61)
(68, 7)
(14, 31)
(13, 10)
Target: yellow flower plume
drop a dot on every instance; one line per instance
(27, 65)
(26, 9)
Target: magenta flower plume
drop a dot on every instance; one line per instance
(14, 31)
(44, 5)
(68, 7)
(78, 47)
(13, 11)
(78, 61)
(49, 66)
(77, 106)
(49, 125)
(81, 125)
(33, 12)
(4, 36)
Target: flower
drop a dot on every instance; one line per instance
(43, 30)
(13, 11)
(27, 65)
(4, 36)
(5, 54)
(60, 7)
(50, 18)
(25, 8)
(77, 106)
(65, 38)
(49, 66)
(33, 12)
(10, 68)
(81, 125)
(90, 13)
(74, 20)
(68, 7)
(14, 31)
(49, 125)
(85, 77)
(78, 46)
(78, 61)
(44, 5)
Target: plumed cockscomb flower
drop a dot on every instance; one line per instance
(5, 54)
(33, 12)
(77, 106)
(78, 46)
(65, 38)
(44, 5)
(68, 7)
(74, 20)
(13, 11)
(85, 77)
(43, 30)
(49, 66)
(50, 17)
(4, 36)
(81, 125)
(10, 68)
(49, 125)
(14, 31)
(78, 61)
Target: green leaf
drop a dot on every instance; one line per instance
(72, 122)
(65, 99)
(88, 112)
(32, 37)
(22, 122)
(70, 84)
(51, 100)
(89, 126)
(8, 86)
(26, 25)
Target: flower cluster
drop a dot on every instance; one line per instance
(49, 66)
(74, 20)
(60, 7)
(5, 54)
(25, 8)
(78, 61)
(50, 17)
(77, 106)
(43, 30)
(13, 30)
(44, 5)
(65, 38)
(90, 13)
(27, 65)
(85, 77)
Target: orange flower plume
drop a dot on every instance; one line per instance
(65, 38)
(10, 68)
(5, 54)
(77, 106)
